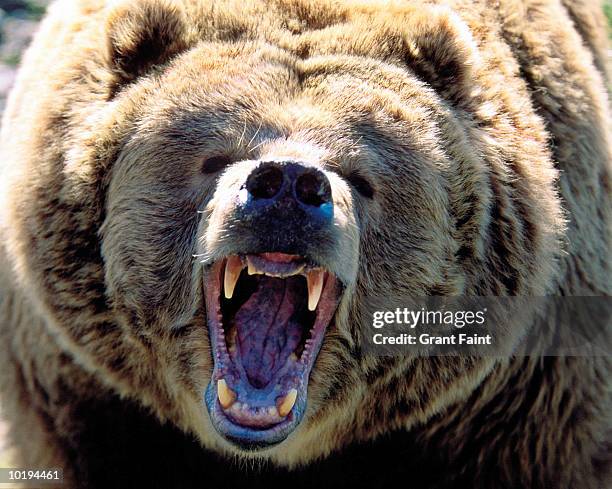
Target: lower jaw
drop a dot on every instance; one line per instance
(248, 438)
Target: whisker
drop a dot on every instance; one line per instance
(242, 135)
(255, 135)
(258, 145)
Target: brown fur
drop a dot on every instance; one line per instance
(484, 132)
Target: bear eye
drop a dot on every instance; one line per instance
(215, 163)
(361, 185)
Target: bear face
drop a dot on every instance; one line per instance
(267, 129)
(228, 175)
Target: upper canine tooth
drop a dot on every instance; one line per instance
(285, 405)
(226, 395)
(233, 267)
(314, 278)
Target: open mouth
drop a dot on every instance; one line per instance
(267, 317)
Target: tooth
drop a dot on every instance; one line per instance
(233, 267)
(272, 411)
(226, 395)
(287, 403)
(315, 287)
(251, 269)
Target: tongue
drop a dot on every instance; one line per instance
(267, 327)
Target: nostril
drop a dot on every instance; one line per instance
(312, 188)
(265, 182)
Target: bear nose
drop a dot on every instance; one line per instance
(306, 185)
(284, 206)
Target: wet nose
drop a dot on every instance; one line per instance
(285, 206)
(274, 181)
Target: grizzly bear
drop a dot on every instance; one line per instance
(199, 198)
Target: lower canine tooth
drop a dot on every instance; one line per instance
(314, 279)
(285, 405)
(226, 395)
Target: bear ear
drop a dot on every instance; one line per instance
(142, 34)
(439, 48)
